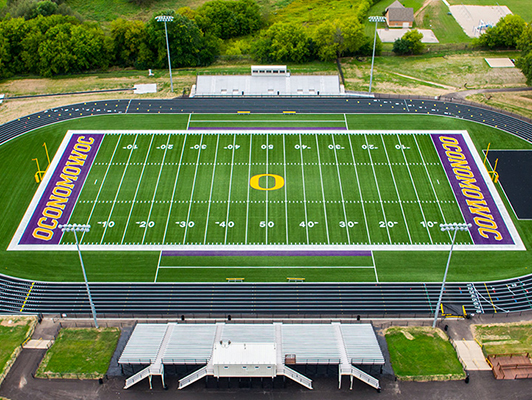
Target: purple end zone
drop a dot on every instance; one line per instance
(472, 193)
(203, 128)
(267, 253)
(61, 193)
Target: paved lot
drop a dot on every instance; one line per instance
(391, 35)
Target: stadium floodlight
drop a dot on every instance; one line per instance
(375, 19)
(81, 228)
(165, 19)
(455, 227)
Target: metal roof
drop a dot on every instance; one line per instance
(311, 343)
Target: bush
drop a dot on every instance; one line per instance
(410, 43)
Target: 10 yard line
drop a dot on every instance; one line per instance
(136, 192)
(119, 186)
(101, 184)
(210, 194)
(175, 187)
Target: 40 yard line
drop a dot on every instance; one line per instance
(210, 194)
(359, 188)
(230, 187)
(192, 191)
(322, 191)
(341, 188)
(249, 177)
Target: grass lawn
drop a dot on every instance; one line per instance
(80, 353)
(420, 353)
(13, 332)
(504, 338)
(141, 266)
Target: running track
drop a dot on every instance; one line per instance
(264, 299)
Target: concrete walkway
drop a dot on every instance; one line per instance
(471, 355)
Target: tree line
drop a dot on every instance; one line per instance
(47, 39)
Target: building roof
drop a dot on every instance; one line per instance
(395, 4)
(401, 14)
(227, 353)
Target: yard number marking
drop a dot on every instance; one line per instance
(254, 182)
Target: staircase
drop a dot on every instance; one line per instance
(295, 376)
(137, 377)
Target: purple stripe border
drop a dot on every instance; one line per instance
(454, 146)
(273, 128)
(266, 253)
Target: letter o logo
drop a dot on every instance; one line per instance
(254, 182)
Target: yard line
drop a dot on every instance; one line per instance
(119, 186)
(285, 193)
(396, 189)
(415, 189)
(158, 266)
(304, 191)
(322, 191)
(101, 185)
(341, 189)
(210, 194)
(374, 267)
(249, 177)
(378, 189)
(175, 186)
(229, 194)
(188, 121)
(136, 192)
(345, 120)
(156, 187)
(359, 188)
(193, 187)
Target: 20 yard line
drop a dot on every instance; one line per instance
(322, 191)
(175, 187)
(230, 187)
(303, 181)
(249, 177)
(341, 189)
(102, 183)
(396, 189)
(210, 194)
(431, 183)
(136, 192)
(359, 189)
(415, 189)
(155, 191)
(378, 189)
(192, 191)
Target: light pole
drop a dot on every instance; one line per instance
(375, 19)
(81, 228)
(165, 19)
(455, 227)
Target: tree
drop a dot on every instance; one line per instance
(338, 38)
(410, 43)
(524, 62)
(283, 42)
(129, 40)
(227, 19)
(503, 35)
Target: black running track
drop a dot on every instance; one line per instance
(264, 299)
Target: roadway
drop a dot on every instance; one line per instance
(254, 299)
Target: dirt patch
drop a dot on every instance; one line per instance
(14, 321)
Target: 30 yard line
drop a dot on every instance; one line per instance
(175, 187)
(415, 189)
(249, 177)
(341, 189)
(155, 191)
(119, 186)
(396, 189)
(101, 184)
(136, 192)
(359, 188)
(322, 191)
(230, 187)
(210, 193)
(304, 191)
(192, 190)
